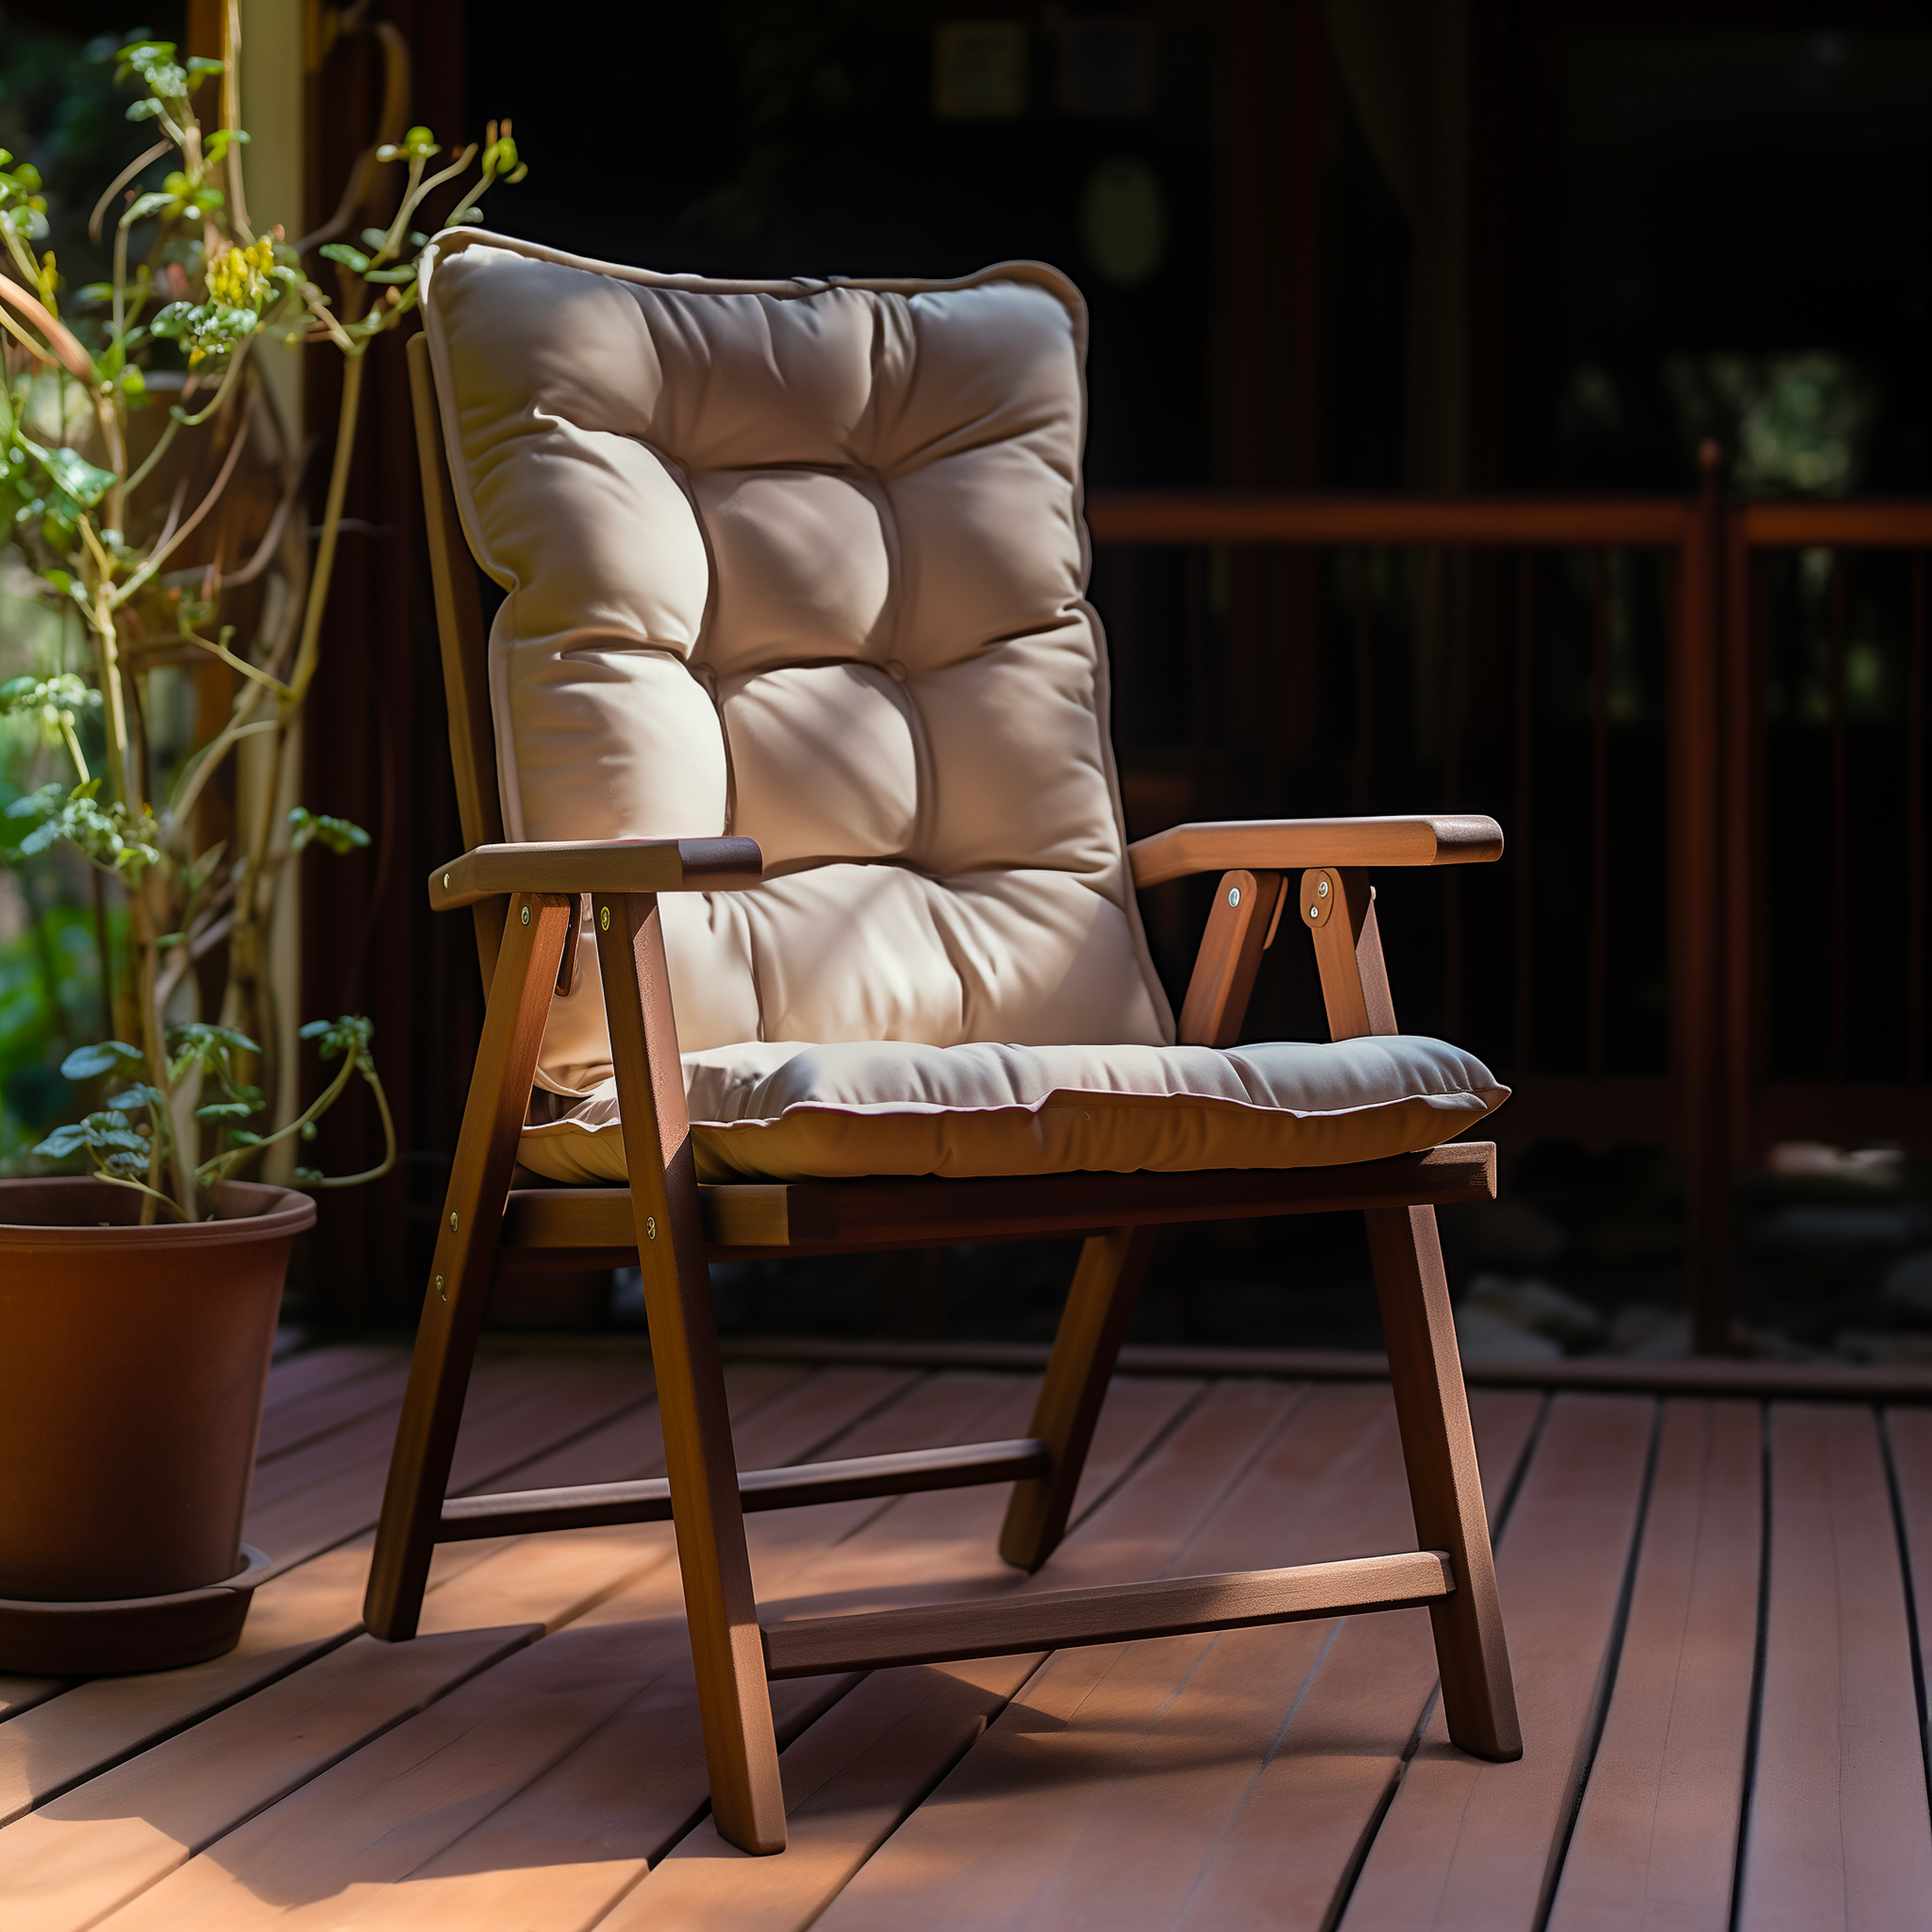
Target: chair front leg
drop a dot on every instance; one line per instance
(727, 1652)
(466, 1260)
(1432, 1406)
(1445, 1487)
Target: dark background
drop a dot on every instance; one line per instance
(1497, 244)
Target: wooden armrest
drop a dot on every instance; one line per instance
(1292, 844)
(598, 865)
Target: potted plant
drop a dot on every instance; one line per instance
(149, 488)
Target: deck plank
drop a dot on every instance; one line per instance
(100, 1846)
(328, 1411)
(1467, 1844)
(318, 1368)
(564, 1847)
(1299, 1833)
(852, 1777)
(1142, 1745)
(1155, 1752)
(1908, 1433)
(367, 1823)
(514, 1408)
(22, 1694)
(108, 1840)
(1655, 1843)
(1838, 1833)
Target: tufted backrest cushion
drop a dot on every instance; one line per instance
(803, 562)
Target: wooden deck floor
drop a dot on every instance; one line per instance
(1710, 1603)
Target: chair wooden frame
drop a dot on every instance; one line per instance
(526, 900)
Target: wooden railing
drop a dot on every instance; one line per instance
(1688, 875)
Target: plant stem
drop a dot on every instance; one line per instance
(102, 947)
(332, 524)
(389, 1138)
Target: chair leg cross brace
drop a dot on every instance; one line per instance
(592, 1505)
(1118, 1613)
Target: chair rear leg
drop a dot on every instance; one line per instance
(1084, 1351)
(727, 1646)
(466, 1261)
(1445, 1485)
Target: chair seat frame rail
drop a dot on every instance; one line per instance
(526, 901)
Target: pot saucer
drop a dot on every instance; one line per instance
(128, 1634)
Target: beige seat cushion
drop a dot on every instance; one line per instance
(805, 563)
(784, 1111)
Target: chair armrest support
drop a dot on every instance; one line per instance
(1291, 845)
(597, 865)
(1241, 926)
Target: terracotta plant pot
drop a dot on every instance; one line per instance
(133, 1364)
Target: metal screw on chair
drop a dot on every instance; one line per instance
(1233, 895)
(603, 919)
(1315, 912)
(1321, 889)
(527, 915)
(445, 882)
(650, 1227)
(442, 1294)
(452, 1224)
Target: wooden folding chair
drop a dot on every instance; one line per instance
(526, 899)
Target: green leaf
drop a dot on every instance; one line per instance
(105, 1131)
(199, 64)
(146, 204)
(81, 479)
(374, 238)
(240, 1137)
(226, 1110)
(339, 835)
(340, 251)
(85, 1063)
(201, 1034)
(407, 273)
(132, 1099)
(350, 1034)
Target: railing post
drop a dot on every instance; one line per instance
(1699, 897)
